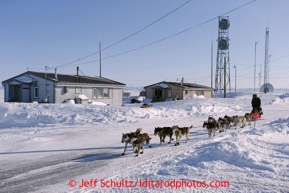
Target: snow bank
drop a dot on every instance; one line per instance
(82, 96)
(196, 97)
(32, 115)
(71, 101)
(284, 98)
(98, 103)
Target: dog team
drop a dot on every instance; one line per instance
(138, 139)
(226, 122)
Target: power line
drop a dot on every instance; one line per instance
(160, 40)
(270, 62)
(127, 36)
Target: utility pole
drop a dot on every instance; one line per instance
(46, 90)
(99, 59)
(269, 66)
(236, 77)
(266, 89)
(260, 77)
(212, 65)
(255, 66)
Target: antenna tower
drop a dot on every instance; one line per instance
(266, 65)
(223, 56)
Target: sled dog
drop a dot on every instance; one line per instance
(248, 117)
(139, 142)
(222, 124)
(211, 120)
(162, 132)
(128, 138)
(239, 119)
(212, 127)
(180, 131)
(228, 121)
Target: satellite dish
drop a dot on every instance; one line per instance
(223, 44)
(224, 24)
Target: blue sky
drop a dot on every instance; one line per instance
(35, 34)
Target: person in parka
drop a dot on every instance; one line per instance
(256, 103)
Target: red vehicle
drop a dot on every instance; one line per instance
(145, 105)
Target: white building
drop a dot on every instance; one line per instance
(56, 88)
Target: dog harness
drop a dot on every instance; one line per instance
(144, 135)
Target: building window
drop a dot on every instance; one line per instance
(105, 93)
(78, 90)
(94, 93)
(35, 92)
(101, 93)
(187, 92)
(200, 92)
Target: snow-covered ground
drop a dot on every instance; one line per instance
(51, 147)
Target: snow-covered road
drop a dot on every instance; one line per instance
(45, 147)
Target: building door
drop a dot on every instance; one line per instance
(158, 95)
(25, 93)
(14, 95)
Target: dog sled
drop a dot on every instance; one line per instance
(256, 113)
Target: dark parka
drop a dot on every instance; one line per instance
(256, 102)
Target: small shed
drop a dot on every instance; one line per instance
(166, 91)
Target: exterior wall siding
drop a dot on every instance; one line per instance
(115, 98)
(41, 84)
(149, 92)
(208, 94)
(177, 92)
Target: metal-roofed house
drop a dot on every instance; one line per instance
(56, 88)
(166, 91)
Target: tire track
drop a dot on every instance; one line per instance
(47, 171)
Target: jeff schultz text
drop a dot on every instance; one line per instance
(124, 183)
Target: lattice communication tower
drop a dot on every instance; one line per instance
(222, 77)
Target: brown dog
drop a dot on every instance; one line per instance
(179, 132)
